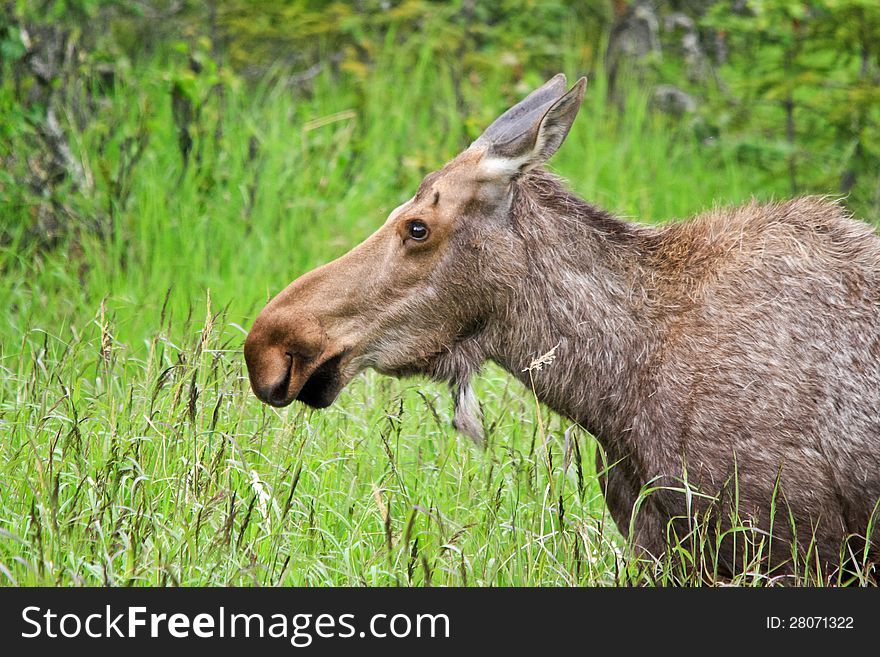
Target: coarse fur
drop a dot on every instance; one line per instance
(734, 356)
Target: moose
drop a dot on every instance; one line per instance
(730, 363)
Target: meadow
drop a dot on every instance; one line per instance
(132, 451)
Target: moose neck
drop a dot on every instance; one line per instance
(577, 329)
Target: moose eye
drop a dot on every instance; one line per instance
(417, 230)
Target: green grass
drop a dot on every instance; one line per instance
(132, 450)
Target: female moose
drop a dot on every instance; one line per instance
(730, 362)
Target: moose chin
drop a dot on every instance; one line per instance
(729, 363)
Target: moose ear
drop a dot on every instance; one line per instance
(529, 133)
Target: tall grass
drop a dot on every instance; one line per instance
(132, 451)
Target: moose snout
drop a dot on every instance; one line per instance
(281, 352)
(269, 373)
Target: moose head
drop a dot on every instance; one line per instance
(415, 296)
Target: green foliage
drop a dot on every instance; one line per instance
(808, 72)
(473, 35)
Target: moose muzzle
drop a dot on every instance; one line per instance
(288, 357)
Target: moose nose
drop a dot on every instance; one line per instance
(279, 352)
(276, 393)
(269, 369)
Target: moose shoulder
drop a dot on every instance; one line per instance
(736, 354)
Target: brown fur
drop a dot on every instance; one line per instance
(735, 355)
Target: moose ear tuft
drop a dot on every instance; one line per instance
(529, 133)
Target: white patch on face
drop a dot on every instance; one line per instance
(495, 166)
(491, 167)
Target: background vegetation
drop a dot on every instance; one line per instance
(168, 165)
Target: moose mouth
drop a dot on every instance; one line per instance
(323, 385)
(319, 390)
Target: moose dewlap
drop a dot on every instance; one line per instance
(729, 363)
